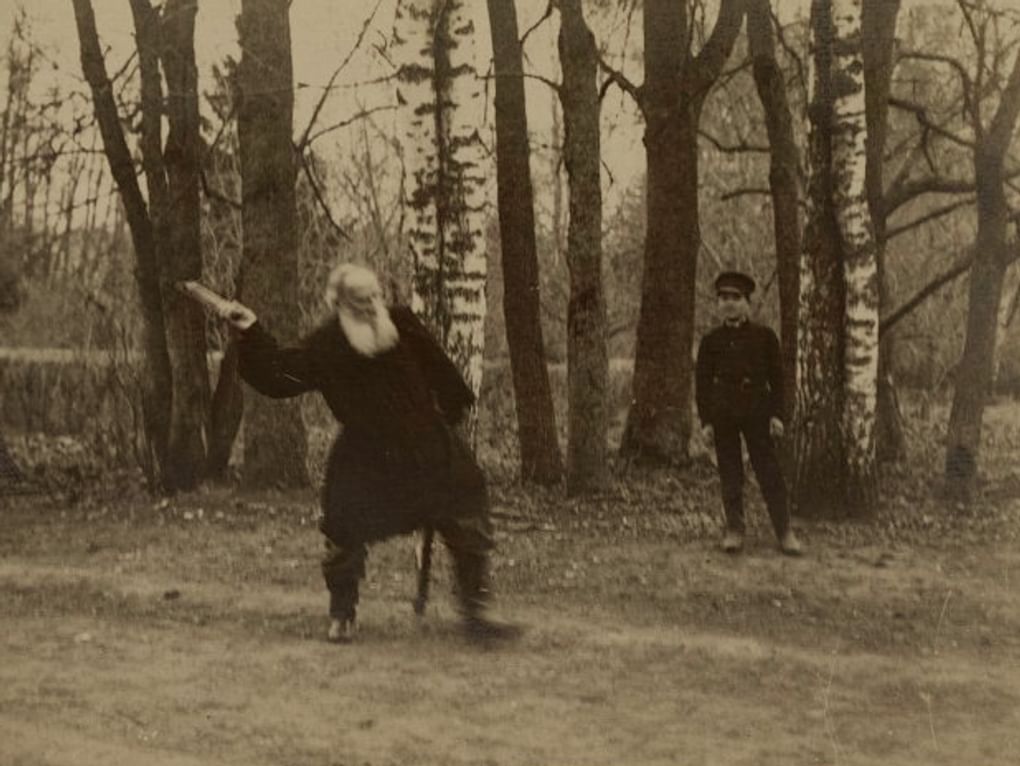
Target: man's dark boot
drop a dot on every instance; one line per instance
(343, 567)
(475, 595)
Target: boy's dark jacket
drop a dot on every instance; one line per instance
(739, 374)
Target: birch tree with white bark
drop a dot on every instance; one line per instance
(834, 435)
(441, 112)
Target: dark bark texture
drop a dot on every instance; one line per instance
(878, 35)
(156, 377)
(784, 185)
(274, 434)
(182, 257)
(992, 256)
(536, 422)
(676, 83)
(587, 356)
(820, 468)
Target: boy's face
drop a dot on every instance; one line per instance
(733, 305)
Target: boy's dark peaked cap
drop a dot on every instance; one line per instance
(735, 280)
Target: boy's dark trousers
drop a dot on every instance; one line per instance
(728, 455)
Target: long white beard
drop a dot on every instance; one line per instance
(369, 338)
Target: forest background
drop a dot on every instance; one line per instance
(160, 594)
(66, 260)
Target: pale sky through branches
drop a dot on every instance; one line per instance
(323, 33)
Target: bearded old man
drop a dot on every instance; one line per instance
(398, 463)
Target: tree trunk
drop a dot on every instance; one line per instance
(441, 111)
(587, 357)
(860, 265)
(834, 451)
(818, 455)
(974, 371)
(174, 213)
(536, 420)
(659, 421)
(556, 175)
(6, 156)
(156, 379)
(878, 33)
(1007, 309)
(185, 319)
(992, 257)
(414, 29)
(274, 434)
(784, 183)
(226, 413)
(464, 168)
(975, 368)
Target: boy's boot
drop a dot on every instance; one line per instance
(789, 544)
(342, 613)
(733, 541)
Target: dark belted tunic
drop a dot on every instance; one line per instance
(397, 464)
(739, 374)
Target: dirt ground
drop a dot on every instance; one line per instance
(190, 632)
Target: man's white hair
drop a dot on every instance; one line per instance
(353, 292)
(351, 285)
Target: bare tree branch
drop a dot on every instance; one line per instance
(732, 72)
(909, 190)
(350, 120)
(537, 24)
(49, 154)
(303, 141)
(708, 64)
(978, 37)
(895, 231)
(616, 77)
(910, 158)
(888, 322)
(965, 80)
(962, 266)
(789, 51)
(926, 123)
(317, 191)
(124, 67)
(744, 192)
(226, 120)
(609, 172)
(739, 148)
(1004, 121)
(527, 76)
(999, 13)
(953, 272)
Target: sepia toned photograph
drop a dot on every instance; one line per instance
(509, 383)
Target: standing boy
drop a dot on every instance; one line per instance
(739, 382)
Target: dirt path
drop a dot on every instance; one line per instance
(189, 645)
